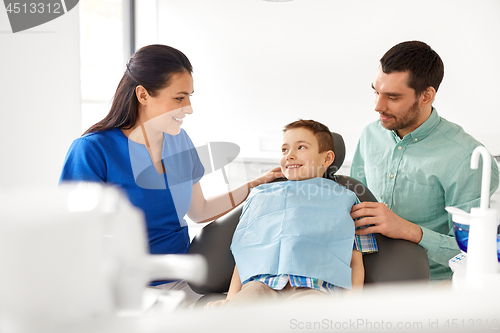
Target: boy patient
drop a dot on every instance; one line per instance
(295, 238)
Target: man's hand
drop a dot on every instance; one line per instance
(384, 221)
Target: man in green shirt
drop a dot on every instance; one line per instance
(415, 162)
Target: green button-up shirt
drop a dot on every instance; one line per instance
(421, 174)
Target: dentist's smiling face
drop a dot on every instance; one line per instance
(166, 110)
(301, 158)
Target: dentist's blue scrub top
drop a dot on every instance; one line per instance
(110, 157)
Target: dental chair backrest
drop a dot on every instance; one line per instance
(396, 261)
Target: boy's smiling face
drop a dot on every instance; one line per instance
(301, 158)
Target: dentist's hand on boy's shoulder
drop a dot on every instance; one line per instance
(267, 177)
(384, 221)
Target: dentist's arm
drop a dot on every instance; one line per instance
(205, 210)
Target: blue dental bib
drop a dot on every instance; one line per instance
(299, 228)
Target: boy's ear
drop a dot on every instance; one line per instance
(329, 158)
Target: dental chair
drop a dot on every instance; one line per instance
(397, 260)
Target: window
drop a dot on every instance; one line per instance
(105, 48)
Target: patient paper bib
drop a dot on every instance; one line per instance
(297, 227)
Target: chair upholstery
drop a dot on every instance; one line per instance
(213, 242)
(396, 260)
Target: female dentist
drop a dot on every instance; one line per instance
(140, 147)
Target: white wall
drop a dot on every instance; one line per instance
(40, 100)
(259, 65)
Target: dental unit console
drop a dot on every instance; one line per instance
(477, 234)
(78, 252)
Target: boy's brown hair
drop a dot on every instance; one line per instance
(320, 131)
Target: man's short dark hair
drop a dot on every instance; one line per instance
(424, 66)
(320, 131)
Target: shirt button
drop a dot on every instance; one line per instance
(416, 139)
(392, 176)
(399, 148)
(386, 204)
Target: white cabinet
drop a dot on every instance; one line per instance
(244, 170)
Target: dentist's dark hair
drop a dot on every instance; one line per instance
(425, 67)
(151, 67)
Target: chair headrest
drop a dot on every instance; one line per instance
(339, 147)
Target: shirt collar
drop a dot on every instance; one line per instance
(423, 130)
